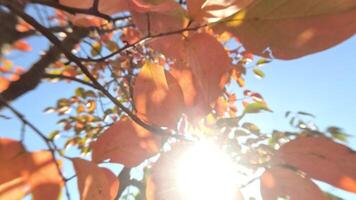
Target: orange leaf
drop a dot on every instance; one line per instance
(110, 7)
(125, 142)
(157, 96)
(313, 27)
(321, 159)
(84, 20)
(281, 182)
(4, 84)
(22, 45)
(209, 62)
(85, 4)
(201, 69)
(24, 172)
(130, 35)
(94, 182)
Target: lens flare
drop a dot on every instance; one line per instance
(206, 172)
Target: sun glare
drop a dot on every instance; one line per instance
(206, 172)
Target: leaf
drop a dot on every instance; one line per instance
(22, 45)
(259, 73)
(306, 114)
(251, 127)
(173, 14)
(291, 29)
(125, 142)
(96, 49)
(23, 172)
(282, 182)
(201, 72)
(262, 62)
(95, 182)
(256, 107)
(209, 65)
(337, 133)
(153, 5)
(214, 10)
(4, 84)
(53, 135)
(157, 96)
(321, 159)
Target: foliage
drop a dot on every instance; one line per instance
(155, 76)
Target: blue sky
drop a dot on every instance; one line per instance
(322, 84)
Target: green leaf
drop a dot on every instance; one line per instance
(337, 133)
(259, 73)
(256, 107)
(80, 92)
(262, 61)
(53, 135)
(306, 114)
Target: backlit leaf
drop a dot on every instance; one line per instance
(157, 96)
(291, 29)
(95, 183)
(125, 142)
(321, 159)
(259, 73)
(214, 10)
(283, 182)
(256, 107)
(23, 172)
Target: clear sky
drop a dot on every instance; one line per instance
(322, 84)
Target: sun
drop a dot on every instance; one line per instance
(206, 172)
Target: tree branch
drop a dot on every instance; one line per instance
(90, 11)
(13, 6)
(63, 77)
(32, 78)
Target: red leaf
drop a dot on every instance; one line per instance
(321, 159)
(281, 182)
(125, 142)
(94, 182)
